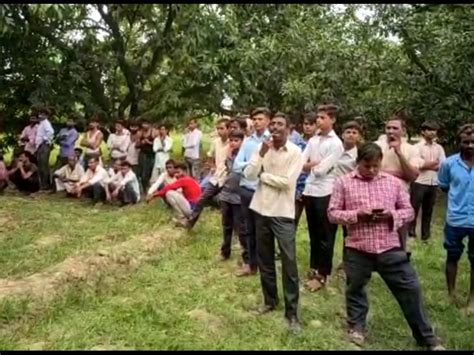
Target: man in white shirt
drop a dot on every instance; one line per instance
(93, 182)
(43, 142)
(69, 175)
(191, 147)
(320, 157)
(276, 164)
(423, 190)
(124, 186)
(118, 141)
(167, 177)
(218, 153)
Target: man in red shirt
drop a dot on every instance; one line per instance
(374, 205)
(182, 203)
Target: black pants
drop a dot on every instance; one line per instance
(128, 195)
(206, 199)
(231, 221)
(423, 196)
(3, 185)
(42, 155)
(146, 161)
(400, 277)
(250, 252)
(30, 185)
(322, 234)
(299, 207)
(283, 230)
(96, 192)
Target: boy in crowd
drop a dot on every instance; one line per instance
(321, 156)
(167, 177)
(261, 118)
(162, 145)
(456, 178)
(114, 169)
(229, 198)
(43, 142)
(93, 182)
(182, 203)
(218, 153)
(24, 174)
(423, 190)
(373, 205)
(191, 147)
(28, 135)
(124, 186)
(66, 178)
(67, 138)
(309, 130)
(238, 124)
(276, 164)
(118, 141)
(133, 150)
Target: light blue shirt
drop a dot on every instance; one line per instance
(44, 133)
(455, 176)
(296, 138)
(245, 154)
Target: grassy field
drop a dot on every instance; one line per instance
(77, 277)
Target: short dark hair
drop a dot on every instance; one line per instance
(237, 135)
(180, 165)
(399, 119)
(96, 159)
(261, 111)
(192, 119)
(295, 118)
(352, 125)
(467, 128)
(163, 125)
(242, 122)
(224, 121)
(310, 117)
(170, 162)
(134, 122)
(78, 150)
(120, 122)
(126, 163)
(369, 151)
(430, 125)
(331, 110)
(29, 155)
(284, 116)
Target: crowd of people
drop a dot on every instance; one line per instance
(262, 172)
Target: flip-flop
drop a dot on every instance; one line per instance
(314, 285)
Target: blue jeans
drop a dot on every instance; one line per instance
(453, 242)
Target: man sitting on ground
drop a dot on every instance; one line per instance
(24, 174)
(164, 179)
(124, 186)
(93, 182)
(69, 175)
(182, 203)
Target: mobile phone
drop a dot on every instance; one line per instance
(377, 210)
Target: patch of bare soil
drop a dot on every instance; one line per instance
(126, 255)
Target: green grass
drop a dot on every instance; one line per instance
(178, 296)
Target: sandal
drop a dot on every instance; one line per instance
(315, 284)
(356, 337)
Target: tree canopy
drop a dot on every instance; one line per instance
(167, 61)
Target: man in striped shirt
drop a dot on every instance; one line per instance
(373, 205)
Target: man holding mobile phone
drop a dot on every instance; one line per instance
(373, 205)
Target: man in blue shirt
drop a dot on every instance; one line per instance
(456, 177)
(67, 139)
(43, 143)
(261, 118)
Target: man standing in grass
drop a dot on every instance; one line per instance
(67, 139)
(423, 190)
(218, 153)
(43, 142)
(276, 165)
(260, 117)
(373, 205)
(28, 135)
(192, 147)
(320, 157)
(456, 178)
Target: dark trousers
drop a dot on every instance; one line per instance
(400, 277)
(146, 161)
(231, 221)
(3, 185)
(283, 230)
(423, 196)
(96, 192)
(299, 207)
(42, 155)
(193, 166)
(30, 185)
(128, 195)
(322, 234)
(206, 199)
(250, 253)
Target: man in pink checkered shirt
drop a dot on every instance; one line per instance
(374, 205)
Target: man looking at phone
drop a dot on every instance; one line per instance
(373, 205)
